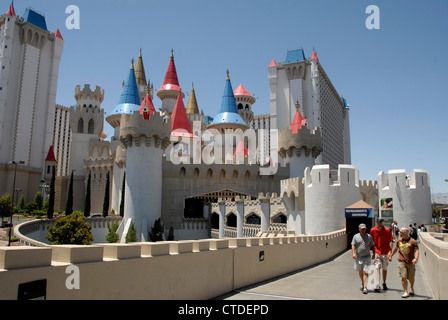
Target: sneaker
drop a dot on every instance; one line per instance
(384, 286)
(364, 291)
(377, 289)
(362, 287)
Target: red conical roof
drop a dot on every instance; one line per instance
(58, 34)
(11, 11)
(180, 125)
(272, 64)
(314, 56)
(171, 82)
(241, 91)
(241, 149)
(148, 105)
(50, 156)
(297, 122)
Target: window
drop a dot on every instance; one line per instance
(81, 126)
(91, 127)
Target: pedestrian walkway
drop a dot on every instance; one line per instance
(332, 280)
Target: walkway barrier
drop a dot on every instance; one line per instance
(190, 270)
(434, 257)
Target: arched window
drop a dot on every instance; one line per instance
(91, 127)
(81, 126)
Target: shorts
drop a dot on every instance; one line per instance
(406, 270)
(381, 261)
(362, 263)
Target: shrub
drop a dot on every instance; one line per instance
(71, 229)
(112, 236)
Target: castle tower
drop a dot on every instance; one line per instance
(86, 122)
(128, 103)
(170, 88)
(244, 101)
(145, 142)
(408, 196)
(299, 146)
(327, 193)
(29, 59)
(228, 124)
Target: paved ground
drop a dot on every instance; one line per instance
(331, 280)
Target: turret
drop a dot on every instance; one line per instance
(145, 142)
(244, 101)
(170, 88)
(299, 146)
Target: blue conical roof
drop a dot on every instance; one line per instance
(129, 99)
(129, 93)
(228, 113)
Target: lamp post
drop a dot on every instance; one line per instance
(12, 199)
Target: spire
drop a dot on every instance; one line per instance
(58, 34)
(171, 82)
(140, 70)
(192, 104)
(11, 12)
(180, 125)
(314, 56)
(50, 156)
(228, 103)
(228, 112)
(272, 64)
(129, 93)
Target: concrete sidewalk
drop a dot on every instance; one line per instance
(332, 280)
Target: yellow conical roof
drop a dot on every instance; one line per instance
(192, 105)
(140, 70)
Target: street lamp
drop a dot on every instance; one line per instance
(12, 200)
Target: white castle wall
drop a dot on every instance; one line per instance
(327, 194)
(411, 194)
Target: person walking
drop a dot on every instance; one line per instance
(407, 258)
(395, 230)
(382, 237)
(362, 243)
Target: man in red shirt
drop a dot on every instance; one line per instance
(383, 245)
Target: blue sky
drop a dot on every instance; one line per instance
(394, 78)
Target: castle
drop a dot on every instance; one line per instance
(236, 174)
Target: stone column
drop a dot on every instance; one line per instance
(265, 206)
(222, 216)
(240, 216)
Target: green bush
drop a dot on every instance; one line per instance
(71, 229)
(132, 234)
(112, 236)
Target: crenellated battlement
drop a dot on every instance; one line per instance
(308, 141)
(322, 175)
(417, 179)
(155, 131)
(97, 95)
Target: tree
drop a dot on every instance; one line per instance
(50, 209)
(123, 186)
(39, 200)
(71, 229)
(112, 236)
(170, 235)
(157, 230)
(106, 196)
(132, 234)
(22, 203)
(87, 203)
(69, 206)
(5, 206)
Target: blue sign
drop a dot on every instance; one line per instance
(359, 213)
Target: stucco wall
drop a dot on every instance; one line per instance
(200, 269)
(434, 257)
